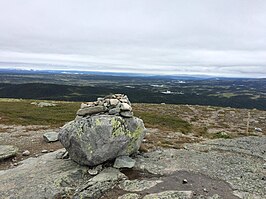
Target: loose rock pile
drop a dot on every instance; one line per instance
(117, 104)
(103, 130)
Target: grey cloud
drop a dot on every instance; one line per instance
(163, 36)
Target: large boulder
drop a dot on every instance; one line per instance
(94, 140)
(103, 130)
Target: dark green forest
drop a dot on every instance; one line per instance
(237, 93)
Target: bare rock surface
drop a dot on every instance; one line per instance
(42, 177)
(138, 185)
(48, 177)
(238, 162)
(170, 195)
(211, 172)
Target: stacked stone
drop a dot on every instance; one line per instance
(117, 104)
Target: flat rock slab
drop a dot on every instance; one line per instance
(138, 185)
(124, 162)
(213, 169)
(42, 177)
(239, 162)
(170, 195)
(7, 151)
(49, 177)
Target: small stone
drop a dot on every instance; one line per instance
(185, 181)
(65, 155)
(26, 153)
(118, 95)
(100, 99)
(114, 111)
(125, 107)
(96, 170)
(91, 110)
(123, 100)
(84, 105)
(126, 113)
(50, 137)
(92, 172)
(258, 129)
(44, 151)
(15, 164)
(114, 102)
(45, 104)
(62, 155)
(124, 162)
(205, 190)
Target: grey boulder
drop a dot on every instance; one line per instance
(96, 139)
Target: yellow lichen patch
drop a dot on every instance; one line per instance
(89, 148)
(80, 130)
(98, 122)
(118, 128)
(134, 137)
(135, 134)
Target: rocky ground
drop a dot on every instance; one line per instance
(171, 164)
(210, 169)
(25, 138)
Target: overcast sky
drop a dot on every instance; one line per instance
(213, 37)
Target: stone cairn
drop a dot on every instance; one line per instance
(103, 130)
(117, 104)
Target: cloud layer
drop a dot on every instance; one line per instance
(223, 38)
